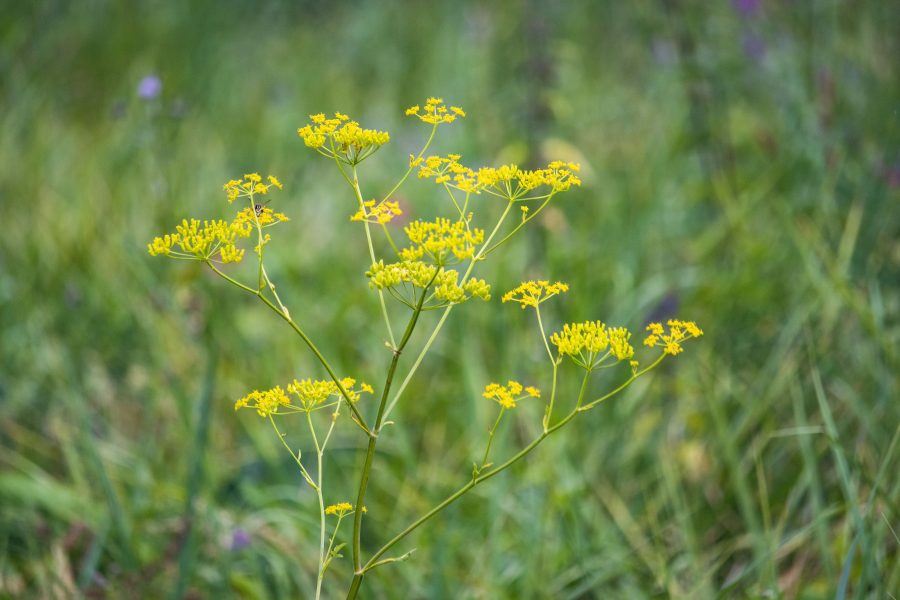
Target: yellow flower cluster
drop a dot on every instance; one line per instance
(314, 392)
(312, 395)
(201, 241)
(421, 275)
(266, 403)
(679, 331)
(250, 185)
(248, 217)
(532, 293)
(508, 395)
(507, 181)
(378, 213)
(446, 170)
(435, 112)
(340, 135)
(341, 509)
(441, 238)
(592, 337)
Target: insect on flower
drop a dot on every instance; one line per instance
(258, 208)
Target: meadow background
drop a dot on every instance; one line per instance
(741, 166)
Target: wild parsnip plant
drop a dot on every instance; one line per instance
(432, 269)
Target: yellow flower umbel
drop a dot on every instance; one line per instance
(201, 241)
(402, 279)
(342, 139)
(435, 112)
(509, 395)
(507, 181)
(377, 213)
(532, 293)
(249, 186)
(312, 394)
(266, 403)
(679, 331)
(443, 241)
(591, 343)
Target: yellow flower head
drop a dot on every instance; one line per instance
(250, 185)
(447, 171)
(266, 217)
(266, 403)
(341, 509)
(507, 181)
(678, 332)
(201, 241)
(584, 343)
(421, 275)
(342, 138)
(509, 395)
(378, 213)
(435, 112)
(440, 239)
(313, 393)
(532, 293)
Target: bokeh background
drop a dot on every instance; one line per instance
(741, 168)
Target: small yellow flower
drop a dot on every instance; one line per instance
(509, 395)
(421, 275)
(250, 185)
(441, 238)
(342, 138)
(584, 343)
(377, 213)
(201, 241)
(313, 393)
(435, 112)
(340, 509)
(532, 293)
(266, 403)
(679, 331)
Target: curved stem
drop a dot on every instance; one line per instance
(487, 450)
(440, 323)
(520, 225)
(411, 167)
(354, 183)
(357, 580)
(303, 470)
(379, 419)
(258, 293)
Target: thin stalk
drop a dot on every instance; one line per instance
(487, 450)
(296, 458)
(379, 419)
(411, 167)
(444, 316)
(354, 183)
(320, 452)
(258, 293)
(357, 580)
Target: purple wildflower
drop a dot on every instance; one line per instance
(149, 87)
(747, 8)
(240, 539)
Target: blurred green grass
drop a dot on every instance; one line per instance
(741, 162)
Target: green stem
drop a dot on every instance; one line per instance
(379, 419)
(520, 225)
(303, 470)
(387, 321)
(443, 318)
(319, 451)
(548, 414)
(487, 450)
(258, 293)
(411, 167)
(357, 580)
